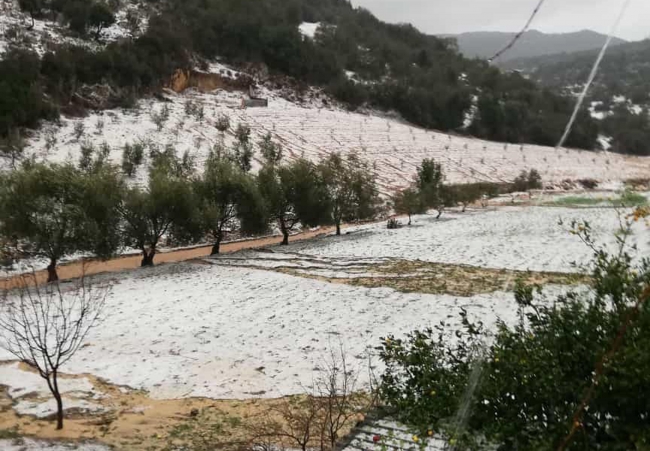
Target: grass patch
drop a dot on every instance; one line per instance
(441, 278)
(458, 280)
(627, 199)
(9, 434)
(578, 200)
(632, 199)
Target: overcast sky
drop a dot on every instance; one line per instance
(457, 16)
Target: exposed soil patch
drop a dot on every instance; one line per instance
(458, 280)
(133, 421)
(404, 275)
(89, 267)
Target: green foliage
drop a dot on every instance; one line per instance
(59, 210)
(527, 181)
(82, 15)
(428, 181)
(243, 133)
(350, 187)
(631, 199)
(293, 194)
(223, 123)
(132, 158)
(242, 152)
(22, 101)
(166, 207)
(536, 373)
(166, 161)
(270, 151)
(33, 7)
(242, 155)
(578, 200)
(229, 200)
(100, 16)
(160, 117)
(467, 193)
(408, 202)
(12, 147)
(10, 434)
(626, 199)
(630, 132)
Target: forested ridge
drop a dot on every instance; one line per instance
(621, 89)
(394, 67)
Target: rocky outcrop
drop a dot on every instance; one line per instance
(207, 82)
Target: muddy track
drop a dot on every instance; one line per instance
(90, 266)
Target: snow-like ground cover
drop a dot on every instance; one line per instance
(389, 434)
(308, 29)
(32, 397)
(523, 238)
(228, 332)
(203, 330)
(312, 130)
(28, 444)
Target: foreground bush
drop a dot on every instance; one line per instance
(574, 373)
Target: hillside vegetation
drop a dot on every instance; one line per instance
(621, 89)
(355, 57)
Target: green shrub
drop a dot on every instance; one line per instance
(132, 157)
(527, 180)
(535, 374)
(22, 100)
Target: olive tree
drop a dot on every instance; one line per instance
(351, 188)
(56, 210)
(153, 212)
(293, 194)
(408, 202)
(429, 182)
(228, 199)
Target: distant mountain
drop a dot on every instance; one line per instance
(484, 44)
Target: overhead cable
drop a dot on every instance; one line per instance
(520, 34)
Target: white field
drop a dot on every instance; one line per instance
(523, 238)
(28, 444)
(394, 148)
(219, 330)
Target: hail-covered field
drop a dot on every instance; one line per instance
(259, 324)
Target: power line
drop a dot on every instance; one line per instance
(520, 34)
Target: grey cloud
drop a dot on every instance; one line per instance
(457, 16)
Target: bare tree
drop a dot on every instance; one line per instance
(318, 418)
(340, 398)
(44, 326)
(295, 420)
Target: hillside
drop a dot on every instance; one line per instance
(620, 95)
(484, 44)
(348, 53)
(311, 129)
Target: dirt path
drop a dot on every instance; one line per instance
(88, 267)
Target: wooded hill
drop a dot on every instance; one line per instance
(396, 68)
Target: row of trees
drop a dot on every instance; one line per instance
(428, 190)
(52, 210)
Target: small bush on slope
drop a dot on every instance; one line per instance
(536, 373)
